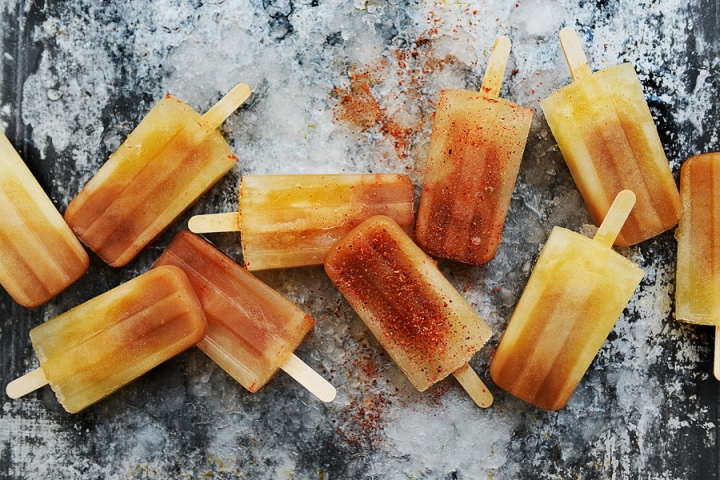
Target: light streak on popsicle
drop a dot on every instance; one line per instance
(171, 158)
(477, 144)
(608, 138)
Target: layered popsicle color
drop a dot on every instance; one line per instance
(476, 147)
(39, 254)
(293, 220)
(426, 326)
(697, 295)
(252, 329)
(608, 138)
(171, 158)
(94, 349)
(575, 294)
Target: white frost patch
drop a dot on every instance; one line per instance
(445, 434)
(63, 100)
(538, 18)
(695, 109)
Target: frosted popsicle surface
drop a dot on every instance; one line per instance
(252, 329)
(476, 147)
(425, 325)
(606, 133)
(575, 294)
(39, 254)
(164, 165)
(293, 220)
(697, 297)
(94, 349)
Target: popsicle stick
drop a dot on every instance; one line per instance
(227, 105)
(615, 218)
(474, 386)
(716, 363)
(309, 378)
(215, 222)
(496, 68)
(574, 54)
(26, 384)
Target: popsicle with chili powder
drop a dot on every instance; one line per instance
(476, 147)
(422, 321)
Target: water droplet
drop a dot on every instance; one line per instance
(54, 95)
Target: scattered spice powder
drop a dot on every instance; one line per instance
(359, 107)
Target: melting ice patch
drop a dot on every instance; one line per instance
(538, 19)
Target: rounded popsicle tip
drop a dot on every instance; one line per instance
(327, 394)
(564, 32)
(496, 67)
(26, 384)
(475, 387)
(574, 54)
(309, 378)
(227, 105)
(215, 222)
(502, 43)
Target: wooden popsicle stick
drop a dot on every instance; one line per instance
(26, 384)
(716, 363)
(496, 68)
(574, 54)
(215, 222)
(474, 386)
(309, 378)
(615, 218)
(227, 105)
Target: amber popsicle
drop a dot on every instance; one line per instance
(252, 329)
(422, 321)
(171, 158)
(94, 349)
(608, 138)
(290, 221)
(477, 143)
(697, 291)
(39, 254)
(577, 291)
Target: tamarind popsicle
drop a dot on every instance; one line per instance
(39, 254)
(95, 348)
(293, 220)
(476, 147)
(608, 138)
(576, 292)
(426, 326)
(252, 329)
(171, 158)
(697, 290)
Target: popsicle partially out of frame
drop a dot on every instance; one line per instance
(171, 158)
(252, 329)
(94, 349)
(575, 295)
(697, 291)
(421, 320)
(39, 254)
(607, 135)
